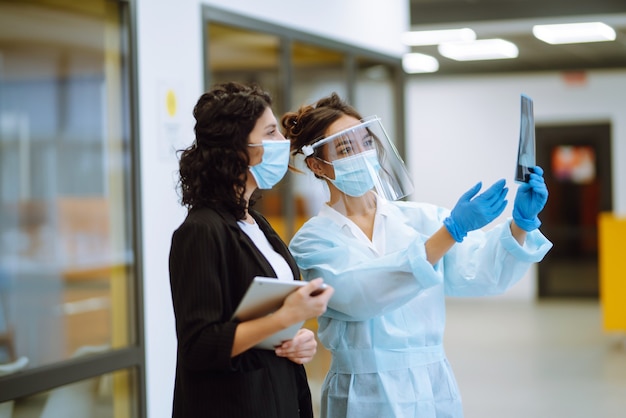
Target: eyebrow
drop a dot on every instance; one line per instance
(271, 125)
(343, 142)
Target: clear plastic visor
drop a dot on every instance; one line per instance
(363, 158)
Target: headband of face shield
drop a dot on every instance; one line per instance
(363, 159)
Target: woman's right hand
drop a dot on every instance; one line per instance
(303, 304)
(473, 212)
(309, 301)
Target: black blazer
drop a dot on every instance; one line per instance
(212, 262)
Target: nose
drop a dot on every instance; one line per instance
(360, 147)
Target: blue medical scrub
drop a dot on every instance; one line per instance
(385, 322)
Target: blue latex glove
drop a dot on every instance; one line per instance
(530, 199)
(470, 214)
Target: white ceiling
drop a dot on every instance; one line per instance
(513, 20)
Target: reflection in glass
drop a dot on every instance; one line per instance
(375, 94)
(317, 72)
(248, 56)
(65, 252)
(105, 396)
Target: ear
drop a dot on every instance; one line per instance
(315, 166)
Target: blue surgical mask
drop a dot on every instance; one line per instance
(354, 175)
(274, 164)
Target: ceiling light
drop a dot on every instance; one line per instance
(435, 37)
(483, 49)
(413, 63)
(571, 33)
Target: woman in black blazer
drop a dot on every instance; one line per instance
(217, 251)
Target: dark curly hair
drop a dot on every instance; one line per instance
(213, 170)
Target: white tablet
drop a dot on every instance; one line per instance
(264, 296)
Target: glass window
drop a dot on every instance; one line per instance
(105, 396)
(246, 56)
(65, 240)
(249, 56)
(375, 93)
(317, 72)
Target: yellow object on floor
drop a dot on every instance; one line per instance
(612, 265)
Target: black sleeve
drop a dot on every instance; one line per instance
(205, 336)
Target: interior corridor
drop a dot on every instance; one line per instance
(521, 359)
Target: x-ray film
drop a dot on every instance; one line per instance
(526, 150)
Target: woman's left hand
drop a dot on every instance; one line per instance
(530, 199)
(300, 349)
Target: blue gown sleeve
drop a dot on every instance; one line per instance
(486, 262)
(365, 285)
(489, 263)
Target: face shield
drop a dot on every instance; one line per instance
(363, 159)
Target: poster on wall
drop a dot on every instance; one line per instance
(574, 163)
(171, 133)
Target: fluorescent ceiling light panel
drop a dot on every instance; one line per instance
(572, 33)
(414, 63)
(482, 49)
(435, 37)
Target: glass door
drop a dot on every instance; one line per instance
(67, 264)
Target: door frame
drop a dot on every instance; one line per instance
(596, 134)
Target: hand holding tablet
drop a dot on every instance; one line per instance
(266, 295)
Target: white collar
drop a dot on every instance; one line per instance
(383, 210)
(383, 207)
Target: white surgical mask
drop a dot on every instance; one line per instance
(355, 175)
(274, 164)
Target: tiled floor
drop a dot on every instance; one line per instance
(518, 359)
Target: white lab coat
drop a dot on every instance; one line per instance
(385, 322)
